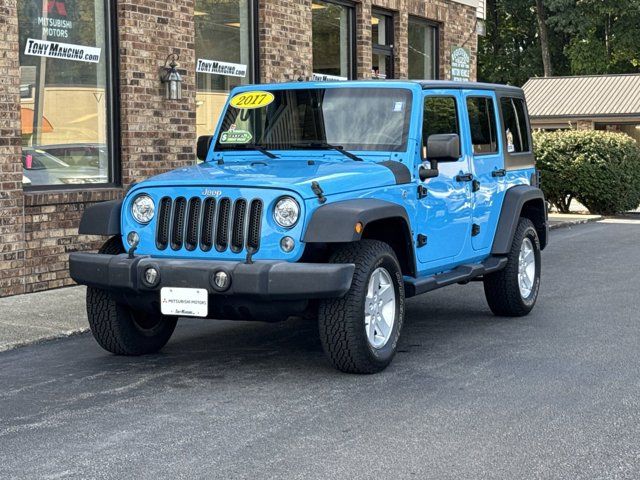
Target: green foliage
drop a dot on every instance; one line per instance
(599, 169)
(586, 37)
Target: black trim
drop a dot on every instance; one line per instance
(262, 279)
(516, 200)
(461, 274)
(101, 219)
(400, 171)
(335, 222)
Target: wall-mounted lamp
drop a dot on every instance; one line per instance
(171, 78)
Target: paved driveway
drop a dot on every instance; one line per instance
(552, 395)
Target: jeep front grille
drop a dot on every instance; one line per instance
(221, 224)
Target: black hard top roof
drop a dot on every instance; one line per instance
(429, 84)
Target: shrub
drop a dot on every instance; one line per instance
(599, 169)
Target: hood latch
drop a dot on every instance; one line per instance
(317, 190)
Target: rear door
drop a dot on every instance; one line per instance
(487, 164)
(445, 211)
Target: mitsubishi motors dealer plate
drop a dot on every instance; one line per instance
(184, 302)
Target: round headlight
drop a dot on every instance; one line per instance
(143, 209)
(286, 212)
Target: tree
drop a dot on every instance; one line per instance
(582, 37)
(544, 38)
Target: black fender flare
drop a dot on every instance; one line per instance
(521, 200)
(101, 219)
(335, 222)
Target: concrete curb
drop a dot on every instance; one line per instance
(555, 222)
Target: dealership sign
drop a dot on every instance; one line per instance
(323, 77)
(64, 51)
(215, 67)
(460, 64)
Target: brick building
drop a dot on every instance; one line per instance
(83, 112)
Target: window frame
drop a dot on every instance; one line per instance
(437, 27)
(515, 160)
(496, 125)
(351, 41)
(112, 105)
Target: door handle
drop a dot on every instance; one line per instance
(465, 177)
(499, 173)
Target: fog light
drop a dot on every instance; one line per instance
(287, 244)
(151, 276)
(221, 280)
(133, 239)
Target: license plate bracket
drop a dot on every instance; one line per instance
(184, 302)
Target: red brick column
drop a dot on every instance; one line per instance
(157, 135)
(12, 264)
(285, 38)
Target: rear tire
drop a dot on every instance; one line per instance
(513, 291)
(360, 331)
(120, 329)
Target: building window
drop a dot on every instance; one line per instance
(333, 28)
(516, 125)
(382, 37)
(423, 50)
(224, 55)
(482, 123)
(65, 95)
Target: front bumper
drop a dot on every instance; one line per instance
(263, 280)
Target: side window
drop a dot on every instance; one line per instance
(482, 120)
(440, 116)
(516, 126)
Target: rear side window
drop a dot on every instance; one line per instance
(516, 126)
(440, 116)
(482, 121)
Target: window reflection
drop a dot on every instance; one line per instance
(332, 30)
(422, 50)
(223, 37)
(63, 95)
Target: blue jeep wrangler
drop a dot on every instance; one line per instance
(335, 200)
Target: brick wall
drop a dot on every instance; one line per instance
(284, 36)
(156, 134)
(12, 268)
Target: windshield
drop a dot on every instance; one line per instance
(352, 118)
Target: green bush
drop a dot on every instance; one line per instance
(599, 169)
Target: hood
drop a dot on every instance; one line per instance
(334, 176)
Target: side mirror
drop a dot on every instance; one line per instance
(443, 147)
(440, 148)
(202, 149)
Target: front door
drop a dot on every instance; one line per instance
(445, 211)
(487, 164)
(382, 38)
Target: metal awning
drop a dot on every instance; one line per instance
(584, 96)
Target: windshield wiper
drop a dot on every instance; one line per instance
(259, 148)
(325, 145)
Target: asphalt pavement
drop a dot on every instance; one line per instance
(469, 396)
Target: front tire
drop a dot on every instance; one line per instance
(513, 291)
(120, 329)
(360, 331)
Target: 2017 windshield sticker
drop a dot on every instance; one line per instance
(235, 136)
(251, 100)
